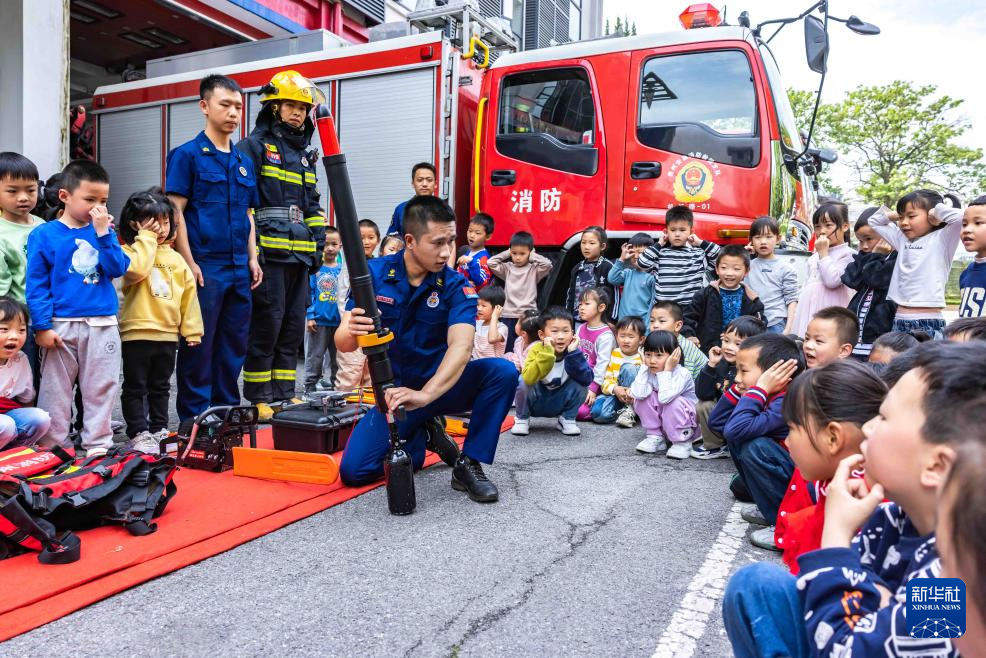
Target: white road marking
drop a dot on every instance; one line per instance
(688, 623)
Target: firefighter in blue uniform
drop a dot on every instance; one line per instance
(431, 310)
(290, 232)
(213, 187)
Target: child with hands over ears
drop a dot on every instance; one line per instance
(664, 398)
(824, 287)
(71, 264)
(160, 306)
(749, 416)
(715, 378)
(637, 292)
(526, 329)
(925, 232)
(869, 275)
(615, 401)
(490, 339)
(473, 263)
(825, 409)
(596, 341)
(556, 376)
(870, 550)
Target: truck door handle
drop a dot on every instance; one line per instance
(644, 170)
(501, 177)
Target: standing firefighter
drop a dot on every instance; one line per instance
(290, 234)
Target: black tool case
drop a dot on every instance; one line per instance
(322, 424)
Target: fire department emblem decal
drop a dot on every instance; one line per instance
(694, 183)
(432, 300)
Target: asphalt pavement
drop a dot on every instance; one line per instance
(593, 549)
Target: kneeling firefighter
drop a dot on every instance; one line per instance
(290, 236)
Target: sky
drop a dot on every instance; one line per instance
(923, 42)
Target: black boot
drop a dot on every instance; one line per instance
(439, 442)
(468, 476)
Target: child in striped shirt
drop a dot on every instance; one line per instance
(491, 334)
(681, 262)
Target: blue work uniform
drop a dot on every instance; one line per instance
(420, 318)
(220, 188)
(397, 220)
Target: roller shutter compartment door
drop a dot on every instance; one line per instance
(386, 125)
(185, 121)
(130, 150)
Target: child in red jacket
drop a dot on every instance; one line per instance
(824, 409)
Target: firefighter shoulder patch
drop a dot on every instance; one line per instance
(469, 292)
(272, 155)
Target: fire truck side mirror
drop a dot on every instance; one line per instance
(816, 44)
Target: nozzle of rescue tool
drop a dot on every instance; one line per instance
(398, 469)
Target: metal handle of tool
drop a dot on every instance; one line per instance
(398, 471)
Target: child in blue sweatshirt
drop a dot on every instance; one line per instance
(71, 264)
(323, 313)
(851, 598)
(749, 416)
(556, 375)
(637, 296)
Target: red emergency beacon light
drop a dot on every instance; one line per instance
(700, 15)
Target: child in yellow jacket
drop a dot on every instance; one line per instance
(160, 303)
(555, 377)
(614, 401)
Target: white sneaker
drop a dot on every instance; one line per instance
(680, 451)
(568, 427)
(96, 452)
(652, 443)
(146, 443)
(626, 418)
(522, 427)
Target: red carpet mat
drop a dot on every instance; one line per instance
(212, 513)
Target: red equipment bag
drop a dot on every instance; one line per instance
(20, 532)
(124, 487)
(19, 463)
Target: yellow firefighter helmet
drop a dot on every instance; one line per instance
(291, 86)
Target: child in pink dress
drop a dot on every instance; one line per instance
(832, 256)
(595, 340)
(526, 328)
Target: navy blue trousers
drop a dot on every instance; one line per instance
(486, 387)
(207, 374)
(766, 469)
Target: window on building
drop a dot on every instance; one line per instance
(547, 117)
(701, 102)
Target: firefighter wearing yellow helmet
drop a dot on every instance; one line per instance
(290, 226)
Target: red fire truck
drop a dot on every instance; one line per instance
(611, 132)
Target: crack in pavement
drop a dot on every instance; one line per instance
(578, 535)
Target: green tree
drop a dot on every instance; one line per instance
(619, 25)
(633, 30)
(898, 137)
(607, 26)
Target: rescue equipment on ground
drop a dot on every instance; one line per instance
(214, 434)
(322, 424)
(397, 467)
(285, 465)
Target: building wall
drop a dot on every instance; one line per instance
(34, 81)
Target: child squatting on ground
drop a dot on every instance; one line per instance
(71, 264)
(664, 398)
(556, 376)
(616, 403)
(20, 425)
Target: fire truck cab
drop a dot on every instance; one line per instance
(613, 132)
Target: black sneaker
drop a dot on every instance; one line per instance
(468, 476)
(739, 490)
(439, 442)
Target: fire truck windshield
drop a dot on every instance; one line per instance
(700, 102)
